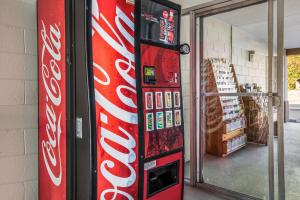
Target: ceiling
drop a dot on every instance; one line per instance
(254, 20)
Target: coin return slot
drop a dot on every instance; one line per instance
(162, 178)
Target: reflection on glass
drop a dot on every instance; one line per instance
(225, 116)
(236, 126)
(159, 23)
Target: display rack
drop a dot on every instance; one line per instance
(256, 112)
(225, 119)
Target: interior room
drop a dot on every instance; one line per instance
(235, 60)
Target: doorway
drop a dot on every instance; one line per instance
(293, 86)
(232, 104)
(292, 137)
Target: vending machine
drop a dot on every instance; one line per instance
(158, 64)
(110, 100)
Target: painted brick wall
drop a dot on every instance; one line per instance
(217, 44)
(249, 72)
(18, 100)
(216, 38)
(185, 75)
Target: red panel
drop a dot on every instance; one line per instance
(166, 63)
(173, 192)
(52, 100)
(116, 99)
(158, 141)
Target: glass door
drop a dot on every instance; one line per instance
(235, 101)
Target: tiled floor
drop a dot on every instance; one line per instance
(197, 194)
(246, 171)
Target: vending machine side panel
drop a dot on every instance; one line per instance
(52, 140)
(85, 145)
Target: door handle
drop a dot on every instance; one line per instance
(276, 101)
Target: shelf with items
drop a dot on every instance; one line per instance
(234, 144)
(225, 120)
(256, 112)
(233, 134)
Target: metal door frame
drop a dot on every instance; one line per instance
(219, 6)
(280, 90)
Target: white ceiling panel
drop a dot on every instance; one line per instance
(254, 20)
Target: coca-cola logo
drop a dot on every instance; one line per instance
(51, 77)
(126, 93)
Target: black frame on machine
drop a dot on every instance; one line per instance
(89, 75)
(70, 103)
(79, 76)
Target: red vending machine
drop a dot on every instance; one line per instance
(110, 100)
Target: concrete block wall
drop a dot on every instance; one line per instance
(185, 75)
(216, 38)
(217, 44)
(249, 72)
(18, 100)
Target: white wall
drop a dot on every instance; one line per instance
(217, 44)
(185, 73)
(189, 3)
(18, 100)
(249, 72)
(216, 38)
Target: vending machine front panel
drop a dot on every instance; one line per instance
(161, 93)
(115, 99)
(159, 22)
(163, 64)
(163, 120)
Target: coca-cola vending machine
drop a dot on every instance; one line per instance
(110, 100)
